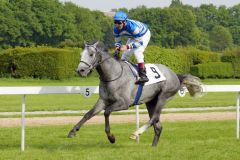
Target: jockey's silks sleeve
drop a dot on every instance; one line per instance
(133, 29)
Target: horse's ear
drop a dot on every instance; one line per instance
(85, 43)
(95, 44)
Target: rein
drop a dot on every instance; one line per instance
(97, 63)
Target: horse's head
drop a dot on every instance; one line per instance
(90, 58)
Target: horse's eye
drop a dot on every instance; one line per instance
(91, 55)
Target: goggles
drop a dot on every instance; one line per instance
(118, 22)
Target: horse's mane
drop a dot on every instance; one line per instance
(100, 45)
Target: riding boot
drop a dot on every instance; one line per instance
(142, 76)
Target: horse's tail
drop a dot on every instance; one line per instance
(193, 84)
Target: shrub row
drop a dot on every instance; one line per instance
(179, 63)
(213, 70)
(199, 56)
(54, 63)
(235, 61)
(39, 62)
(181, 59)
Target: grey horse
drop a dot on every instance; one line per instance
(117, 89)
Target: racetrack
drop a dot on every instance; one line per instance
(170, 117)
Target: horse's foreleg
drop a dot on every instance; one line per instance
(99, 106)
(110, 136)
(117, 106)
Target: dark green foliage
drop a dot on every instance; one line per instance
(220, 38)
(40, 62)
(170, 27)
(54, 23)
(41, 22)
(213, 70)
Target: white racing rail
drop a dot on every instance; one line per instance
(89, 90)
(86, 90)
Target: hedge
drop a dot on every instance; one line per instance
(236, 67)
(179, 63)
(199, 56)
(39, 62)
(55, 63)
(213, 70)
(235, 60)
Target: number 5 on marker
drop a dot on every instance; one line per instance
(86, 91)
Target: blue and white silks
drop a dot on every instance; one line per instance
(133, 29)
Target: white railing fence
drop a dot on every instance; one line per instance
(89, 90)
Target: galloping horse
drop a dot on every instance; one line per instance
(117, 89)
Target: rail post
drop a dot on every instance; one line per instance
(23, 124)
(237, 115)
(137, 121)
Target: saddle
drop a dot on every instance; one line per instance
(153, 73)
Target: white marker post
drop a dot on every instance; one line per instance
(23, 124)
(137, 121)
(237, 115)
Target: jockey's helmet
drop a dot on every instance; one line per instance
(120, 16)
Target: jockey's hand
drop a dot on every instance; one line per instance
(123, 48)
(117, 49)
(116, 53)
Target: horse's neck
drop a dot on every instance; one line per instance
(109, 68)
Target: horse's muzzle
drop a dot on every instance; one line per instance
(83, 72)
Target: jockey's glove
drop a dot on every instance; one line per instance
(116, 54)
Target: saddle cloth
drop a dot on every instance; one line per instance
(153, 73)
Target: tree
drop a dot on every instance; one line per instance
(9, 26)
(234, 23)
(206, 17)
(220, 38)
(176, 3)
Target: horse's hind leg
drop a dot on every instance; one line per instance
(150, 106)
(99, 106)
(158, 130)
(154, 113)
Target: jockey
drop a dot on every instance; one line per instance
(138, 37)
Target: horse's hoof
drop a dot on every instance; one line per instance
(133, 136)
(71, 134)
(111, 139)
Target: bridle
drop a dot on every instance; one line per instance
(98, 61)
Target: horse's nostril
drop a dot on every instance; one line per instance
(82, 70)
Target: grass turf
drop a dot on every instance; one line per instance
(208, 140)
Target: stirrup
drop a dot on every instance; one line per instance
(139, 80)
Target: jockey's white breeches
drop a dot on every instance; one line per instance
(138, 52)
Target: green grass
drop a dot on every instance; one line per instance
(209, 140)
(79, 102)
(77, 81)
(221, 81)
